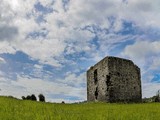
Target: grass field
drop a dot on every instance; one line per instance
(12, 109)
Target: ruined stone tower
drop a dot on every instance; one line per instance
(114, 80)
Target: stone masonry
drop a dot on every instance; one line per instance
(114, 80)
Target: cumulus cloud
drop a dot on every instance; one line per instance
(74, 80)
(142, 50)
(67, 26)
(145, 12)
(43, 50)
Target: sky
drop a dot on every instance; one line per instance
(46, 46)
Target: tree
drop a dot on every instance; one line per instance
(41, 97)
(156, 99)
(28, 97)
(23, 98)
(158, 93)
(33, 97)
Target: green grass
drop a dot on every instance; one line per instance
(12, 109)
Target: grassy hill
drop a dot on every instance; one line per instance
(13, 109)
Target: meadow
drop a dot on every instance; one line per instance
(13, 109)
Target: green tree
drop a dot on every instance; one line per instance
(41, 97)
(33, 97)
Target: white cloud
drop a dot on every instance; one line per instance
(156, 63)
(38, 66)
(26, 85)
(43, 50)
(74, 80)
(2, 60)
(150, 89)
(64, 26)
(145, 12)
(142, 50)
(6, 47)
(144, 54)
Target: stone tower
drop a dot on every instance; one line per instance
(114, 80)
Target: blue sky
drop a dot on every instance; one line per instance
(46, 46)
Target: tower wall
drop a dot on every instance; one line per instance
(113, 80)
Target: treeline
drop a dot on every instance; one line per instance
(151, 99)
(33, 97)
(155, 98)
